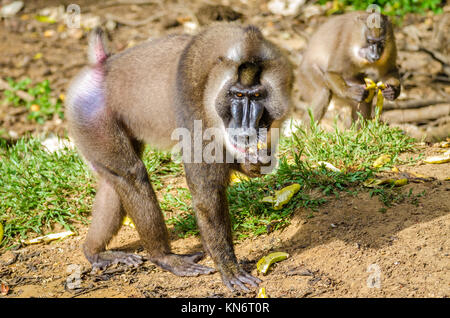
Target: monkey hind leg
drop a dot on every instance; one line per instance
(318, 107)
(117, 161)
(107, 216)
(365, 109)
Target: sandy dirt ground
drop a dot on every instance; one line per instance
(352, 247)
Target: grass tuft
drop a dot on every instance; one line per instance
(38, 189)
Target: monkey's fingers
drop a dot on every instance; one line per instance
(239, 281)
(183, 265)
(107, 258)
(194, 270)
(389, 92)
(130, 260)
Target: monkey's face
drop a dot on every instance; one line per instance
(248, 103)
(247, 122)
(374, 42)
(374, 49)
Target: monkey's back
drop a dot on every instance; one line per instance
(326, 43)
(133, 86)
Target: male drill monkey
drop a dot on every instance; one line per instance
(340, 54)
(228, 77)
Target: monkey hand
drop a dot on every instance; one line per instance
(391, 92)
(182, 265)
(235, 278)
(358, 92)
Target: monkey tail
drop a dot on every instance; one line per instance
(97, 51)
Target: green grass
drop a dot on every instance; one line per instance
(159, 163)
(39, 189)
(390, 7)
(42, 107)
(352, 151)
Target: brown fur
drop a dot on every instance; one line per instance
(140, 96)
(331, 66)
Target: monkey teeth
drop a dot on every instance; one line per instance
(252, 150)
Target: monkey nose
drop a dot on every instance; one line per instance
(373, 54)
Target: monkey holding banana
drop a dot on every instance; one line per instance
(340, 54)
(227, 77)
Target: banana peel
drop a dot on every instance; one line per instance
(262, 293)
(372, 183)
(381, 161)
(48, 238)
(438, 159)
(265, 262)
(237, 177)
(442, 144)
(128, 221)
(377, 88)
(371, 87)
(282, 196)
(417, 177)
(329, 166)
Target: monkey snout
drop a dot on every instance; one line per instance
(374, 53)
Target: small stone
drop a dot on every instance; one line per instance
(11, 9)
(8, 258)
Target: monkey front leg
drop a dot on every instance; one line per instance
(346, 88)
(207, 183)
(353, 90)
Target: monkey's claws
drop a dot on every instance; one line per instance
(358, 92)
(183, 265)
(237, 281)
(390, 92)
(104, 259)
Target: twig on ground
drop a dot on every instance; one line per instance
(134, 23)
(24, 95)
(414, 103)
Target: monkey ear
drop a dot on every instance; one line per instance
(97, 51)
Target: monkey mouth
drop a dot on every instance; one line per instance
(251, 152)
(238, 148)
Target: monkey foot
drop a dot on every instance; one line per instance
(183, 265)
(235, 282)
(104, 259)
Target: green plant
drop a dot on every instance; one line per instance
(42, 107)
(38, 189)
(391, 7)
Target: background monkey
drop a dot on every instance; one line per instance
(227, 76)
(343, 51)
